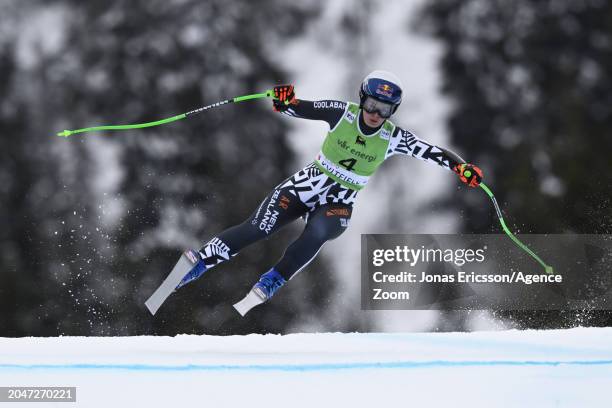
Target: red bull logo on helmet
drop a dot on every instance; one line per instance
(385, 90)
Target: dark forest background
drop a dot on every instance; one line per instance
(531, 83)
(91, 225)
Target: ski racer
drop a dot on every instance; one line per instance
(360, 139)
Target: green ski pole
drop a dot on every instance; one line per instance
(268, 94)
(547, 268)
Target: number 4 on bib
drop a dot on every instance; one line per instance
(348, 163)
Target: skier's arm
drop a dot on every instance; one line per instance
(408, 144)
(330, 111)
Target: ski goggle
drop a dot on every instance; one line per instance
(371, 105)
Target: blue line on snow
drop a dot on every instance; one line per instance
(298, 367)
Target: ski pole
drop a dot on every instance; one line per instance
(267, 94)
(547, 268)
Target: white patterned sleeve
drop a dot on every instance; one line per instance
(406, 143)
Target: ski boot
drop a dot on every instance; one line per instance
(197, 267)
(263, 290)
(268, 284)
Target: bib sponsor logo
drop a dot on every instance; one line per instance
(360, 141)
(340, 212)
(367, 157)
(342, 175)
(385, 134)
(350, 117)
(328, 105)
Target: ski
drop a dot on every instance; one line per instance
(182, 267)
(251, 300)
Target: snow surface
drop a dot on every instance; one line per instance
(557, 368)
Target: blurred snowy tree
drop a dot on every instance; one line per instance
(530, 83)
(94, 223)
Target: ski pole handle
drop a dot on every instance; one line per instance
(267, 94)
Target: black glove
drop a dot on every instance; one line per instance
(284, 96)
(469, 174)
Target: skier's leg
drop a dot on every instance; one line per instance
(324, 224)
(328, 221)
(278, 209)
